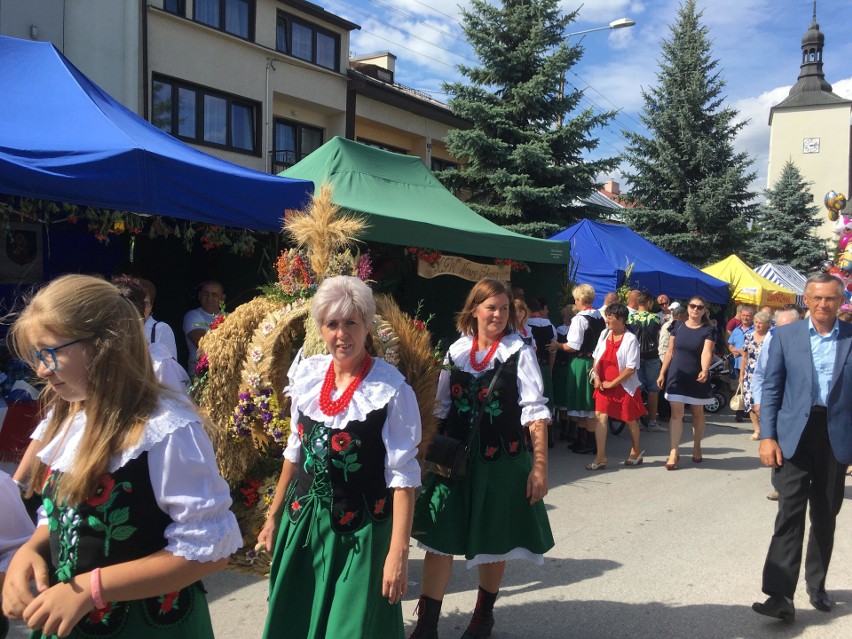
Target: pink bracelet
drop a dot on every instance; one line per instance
(96, 589)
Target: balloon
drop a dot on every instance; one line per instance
(834, 202)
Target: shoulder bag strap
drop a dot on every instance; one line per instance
(474, 426)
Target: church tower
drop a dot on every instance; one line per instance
(811, 127)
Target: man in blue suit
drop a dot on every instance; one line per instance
(806, 437)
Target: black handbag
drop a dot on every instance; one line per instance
(450, 457)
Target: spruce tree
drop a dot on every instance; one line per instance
(691, 187)
(784, 229)
(524, 160)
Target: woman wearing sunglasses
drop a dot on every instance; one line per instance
(685, 372)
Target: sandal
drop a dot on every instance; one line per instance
(596, 466)
(635, 462)
(673, 466)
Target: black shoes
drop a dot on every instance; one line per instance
(776, 607)
(820, 600)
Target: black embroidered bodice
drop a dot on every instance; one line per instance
(542, 335)
(343, 470)
(595, 327)
(500, 429)
(562, 356)
(120, 522)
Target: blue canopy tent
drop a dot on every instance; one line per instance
(603, 252)
(62, 138)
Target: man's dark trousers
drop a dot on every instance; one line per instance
(811, 477)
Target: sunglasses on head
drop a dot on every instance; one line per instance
(697, 307)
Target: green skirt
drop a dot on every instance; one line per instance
(547, 380)
(323, 584)
(579, 390)
(487, 514)
(560, 385)
(186, 617)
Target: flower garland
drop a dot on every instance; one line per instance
(515, 265)
(430, 256)
(260, 407)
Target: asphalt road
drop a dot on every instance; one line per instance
(639, 552)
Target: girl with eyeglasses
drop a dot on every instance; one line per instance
(685, 373)
(134, 510)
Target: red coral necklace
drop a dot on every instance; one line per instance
(480, 366)
(335, 407)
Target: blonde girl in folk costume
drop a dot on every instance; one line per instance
(134, 510)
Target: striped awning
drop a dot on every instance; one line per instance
(786, 276)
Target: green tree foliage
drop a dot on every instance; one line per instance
(784, 228)
(521, 169)
(691, 187)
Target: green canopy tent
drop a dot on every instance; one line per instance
(405, 204)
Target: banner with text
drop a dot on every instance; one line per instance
(460, 267)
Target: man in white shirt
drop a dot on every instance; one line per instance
(157, 332)
(197, 321)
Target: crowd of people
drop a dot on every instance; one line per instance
(134, 512)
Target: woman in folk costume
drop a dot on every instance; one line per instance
(340, 522)
(134, 511)
(496, 513)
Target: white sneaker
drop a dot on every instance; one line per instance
(654, 427)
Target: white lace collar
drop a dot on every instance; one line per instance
(562, 329)
(460, 351)
(539, 321)
(172, 413)
(381, 384)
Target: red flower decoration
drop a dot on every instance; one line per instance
(295, 505)
(341, 442)
(168, 602)
(97, 615)
(456, 390)
(301, 430)
(346, 518)
(482, 394)
(379, 507)
(490, 451)
(105, 485)
(217, 321)
(513, 447)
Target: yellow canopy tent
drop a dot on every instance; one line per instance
(749, 287)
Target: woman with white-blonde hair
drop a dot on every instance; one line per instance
(340, 522)
(752, 346)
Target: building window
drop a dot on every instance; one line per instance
(382, 146)
(178, 7)
(232, 16)
(292, 141)
(307, 42)
(443, 165)
(204, 116)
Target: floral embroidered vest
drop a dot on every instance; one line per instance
(500, 429)
(120, 522)
(344, 470)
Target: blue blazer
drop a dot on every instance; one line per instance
(788, 390)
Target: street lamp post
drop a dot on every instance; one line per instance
(621, 23)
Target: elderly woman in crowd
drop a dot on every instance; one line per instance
(340, 521)
(583, 334)
(686, 375)
(617, 389)
(751, 351)
(496, 513)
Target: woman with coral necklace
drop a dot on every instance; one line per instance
(495, 513)
(345, 497)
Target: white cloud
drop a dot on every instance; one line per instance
(754, 137)
(601, 12)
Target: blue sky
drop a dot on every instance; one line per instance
(757, 43)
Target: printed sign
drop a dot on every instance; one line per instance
(460, 267)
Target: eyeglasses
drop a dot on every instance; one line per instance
(697, 307)
(47, 356)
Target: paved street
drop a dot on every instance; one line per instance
(639, 551)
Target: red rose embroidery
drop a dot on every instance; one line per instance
(168, 602)
(379, 507)
(482, 394)
(99, 614)
(513, 447)
(490, 451)
(341, 441)
(105, 485)
(456, 390)
(346, 518)
(295, 505)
